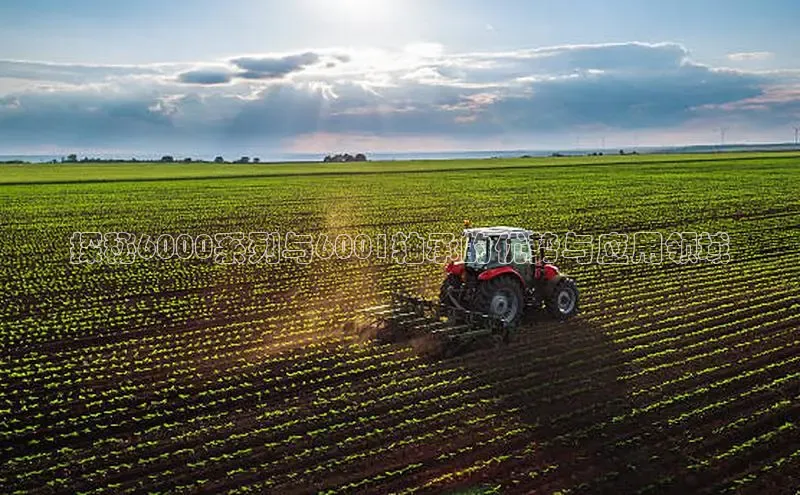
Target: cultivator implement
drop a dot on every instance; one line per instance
(409, 318)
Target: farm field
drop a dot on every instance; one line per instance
(185, 375)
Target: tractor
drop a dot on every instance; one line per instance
(484, 295)
(500, 277)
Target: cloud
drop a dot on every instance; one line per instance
(71, 73)
(9, 102)
(533, 95)
(776, 105)
(636, 57)
(623, 100)
(274, 67)
(261, 68)
(567, 60)
(750, 56)
(206, 76)
(85, 116)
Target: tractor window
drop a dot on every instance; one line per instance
(478, 251)
(503, 251)
(521, 251)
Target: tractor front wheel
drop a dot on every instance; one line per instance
(562, 302)
(501, 297)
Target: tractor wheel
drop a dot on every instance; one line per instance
(501, 297)
(562, 302)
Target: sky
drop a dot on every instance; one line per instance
(320, 76)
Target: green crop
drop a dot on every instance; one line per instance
(180, 375)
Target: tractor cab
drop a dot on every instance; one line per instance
(497, 246)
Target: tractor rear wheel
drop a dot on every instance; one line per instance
(501, 297)
(562, 302)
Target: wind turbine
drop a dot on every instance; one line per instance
(722, 132)
(796, 136)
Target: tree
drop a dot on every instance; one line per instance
(167, 159)
(72, 158)
(344, 158)
(187, 160)
(219, 159)
(256, 160)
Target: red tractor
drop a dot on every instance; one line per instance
(486, 294)
(500, 277)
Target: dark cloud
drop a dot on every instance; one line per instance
(82, 118)
(206, 76)
(273, 67)
(625, 101)
(343, 57)
(636, 57)
(629, 58)
(255, 68)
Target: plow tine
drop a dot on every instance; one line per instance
(473, 334)
(408, 317)
(447, 330)
(404, 318)
(411, 323)
(426, 328)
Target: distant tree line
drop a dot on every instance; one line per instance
(73, 158)
(594, 153)
(345, 157)
(337, 158)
